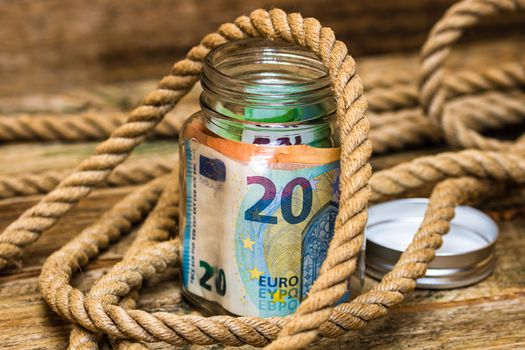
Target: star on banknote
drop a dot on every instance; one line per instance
(278, 297)
(248, 243)
(255, 273)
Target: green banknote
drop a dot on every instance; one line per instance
(275, 126)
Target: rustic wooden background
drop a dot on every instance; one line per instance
(74, 56)
(57, 44)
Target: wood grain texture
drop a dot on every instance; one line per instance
(52, 44)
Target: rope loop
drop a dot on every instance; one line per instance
(433, 94)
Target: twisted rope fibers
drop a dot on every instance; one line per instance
(316, 315)
(468, 82)
(447, 31)
(463, 119)
(160, 224)
(83, 127)
(133, 173)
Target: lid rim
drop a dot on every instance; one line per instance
(443, 282)
(448, 269)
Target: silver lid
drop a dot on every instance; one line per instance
(467, 254)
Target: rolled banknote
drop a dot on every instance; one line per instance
(265, 126)
(258, 220)
(316, 135)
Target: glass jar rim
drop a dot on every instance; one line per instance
(270, 52)
(265, 80)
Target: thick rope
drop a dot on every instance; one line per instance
(424, 171)
(492, 111)
(98, 125)
(74, 127)
(407, 132)
(464, 118)
(160, 224)
(384, 184)
(87, 244)
(447, 31)
(133, 173)
(466, 82)
(108, 308)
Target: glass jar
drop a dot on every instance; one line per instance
(259, 180)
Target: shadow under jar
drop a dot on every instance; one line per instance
(259, 180)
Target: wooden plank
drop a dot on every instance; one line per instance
(56, 44)
(123, 96)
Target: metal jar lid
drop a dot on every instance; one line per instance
(467, 254)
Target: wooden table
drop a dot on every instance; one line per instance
(488, 315)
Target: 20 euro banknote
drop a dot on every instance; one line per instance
(255, 231)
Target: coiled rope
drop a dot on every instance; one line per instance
(466, 177)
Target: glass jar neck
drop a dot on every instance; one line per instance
(264, 81)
